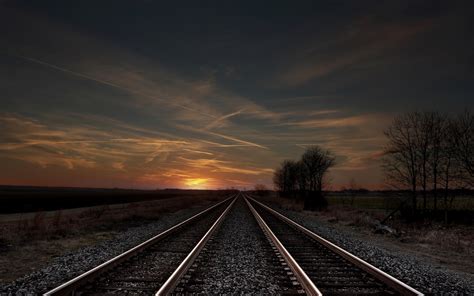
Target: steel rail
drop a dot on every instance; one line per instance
(299, 273)
(70, 286)
(176, 276)
(384, 277)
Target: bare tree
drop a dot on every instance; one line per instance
(457, 158)
(293, 171)
(452, 174)
(423, 128)
(316, 163)
(278, 179)
(400, 160)
(302, 179)
(439, 132)
(463, 133)
(305, 178)
(426, 149)
(285, 178)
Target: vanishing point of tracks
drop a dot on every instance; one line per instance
(238, 246)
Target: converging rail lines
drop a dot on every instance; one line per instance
(180, 260)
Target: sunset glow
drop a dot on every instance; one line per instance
(198, 183)
(139, 98)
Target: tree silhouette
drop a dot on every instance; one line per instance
(305, 178)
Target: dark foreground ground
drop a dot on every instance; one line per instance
(44, 252)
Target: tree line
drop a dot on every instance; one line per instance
(306, 177)
(430, 154)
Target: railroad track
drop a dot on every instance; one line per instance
(322, 267)
(143, 269)
(181, 259)
(239, 259)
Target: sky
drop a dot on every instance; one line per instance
(214, 94)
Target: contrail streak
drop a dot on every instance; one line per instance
(218, 120)
(237, 140)
(85, 76)
(111, 84)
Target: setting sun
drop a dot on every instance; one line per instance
(196, 183)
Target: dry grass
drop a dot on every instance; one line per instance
(30, 242)
(42, 225)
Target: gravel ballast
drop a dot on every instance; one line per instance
(71, 264)
(406, 267)
(245, 267)
(239, 260)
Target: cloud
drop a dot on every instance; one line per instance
(199, 152)
(248, 143)
(222, 166)
(77, 146)
(219, 120)
(329, 123)
(119, 166)
(196, 101)
(190, 98)
(117, 86)
(215, 144)
(119, 150)
(241, 142)
(175, 128)
(364, 39)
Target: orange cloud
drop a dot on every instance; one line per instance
(224, 166)
(119, 152)
(330, 123)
